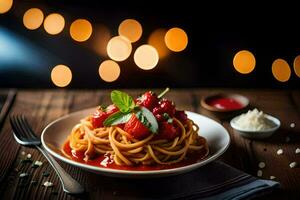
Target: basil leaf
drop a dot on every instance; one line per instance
(147, 119)
(122, 100)
(117, 118)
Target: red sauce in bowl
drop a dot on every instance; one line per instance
(225, 103)
(105, 161)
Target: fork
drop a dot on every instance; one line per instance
(24, 135)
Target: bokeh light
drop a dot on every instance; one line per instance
(100, 39)
(176, 39)
(33, 18)
(297, 66)
(81, 30)
(244, 62)
(131, 29)
(5, 5)
(61, 75)
(146, 57)
(281, 70)
(157, 40)
(119, 48)
(109, 70)
(54, 23)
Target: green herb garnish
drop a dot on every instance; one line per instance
(123, 101)
(117, 118)
(127, 107)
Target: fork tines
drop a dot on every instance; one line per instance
(21, 128)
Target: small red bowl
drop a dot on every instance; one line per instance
(224, 102)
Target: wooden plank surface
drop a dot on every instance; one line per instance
(42, 107)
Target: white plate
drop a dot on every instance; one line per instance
(55, 134)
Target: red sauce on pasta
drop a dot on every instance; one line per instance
(106, 162)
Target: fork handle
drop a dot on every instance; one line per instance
(69, 184)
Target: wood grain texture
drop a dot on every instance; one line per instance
(42, 107)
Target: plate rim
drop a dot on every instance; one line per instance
(102, 170)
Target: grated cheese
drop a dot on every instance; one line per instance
(23, 175)
(262, 165)
(48, 184)
(259, 173)
(293, 165)
(280, 152)
(254, 120)
(38, 163)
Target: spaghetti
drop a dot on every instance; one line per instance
(126, 150)
(144, 131)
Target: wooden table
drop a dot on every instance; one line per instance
(43, 106)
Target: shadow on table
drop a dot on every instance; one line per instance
(209, 181)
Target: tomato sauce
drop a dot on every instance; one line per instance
(105, 161)
(225, 103)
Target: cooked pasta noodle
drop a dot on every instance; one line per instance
(125, 150)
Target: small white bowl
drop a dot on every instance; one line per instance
(253, 134)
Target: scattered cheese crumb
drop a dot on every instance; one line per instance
(279, 151)
(272, 177)
(297, 151)
(23, 153)
(23, 175)
(259, 173)
(38, 163)
(293, 164)
(28, 156)
(262, 165)
(48, 184)
(292, 125)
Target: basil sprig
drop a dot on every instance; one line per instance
(117, 118)
(122, 100)
(127, 107)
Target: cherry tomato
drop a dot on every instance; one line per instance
(135, 128)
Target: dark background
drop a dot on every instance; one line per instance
(216, 32)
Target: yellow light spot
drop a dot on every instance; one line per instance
(297, 66)
(131, 29)
(61, 75)
(81, 30)
(119, 48)
(54, 23)
(5, 5)
(146, 57)
(281, 70)
(176, 39)
(156, 39)
(33, 18)
(244, 62)
(100, 39)
(109, 70)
